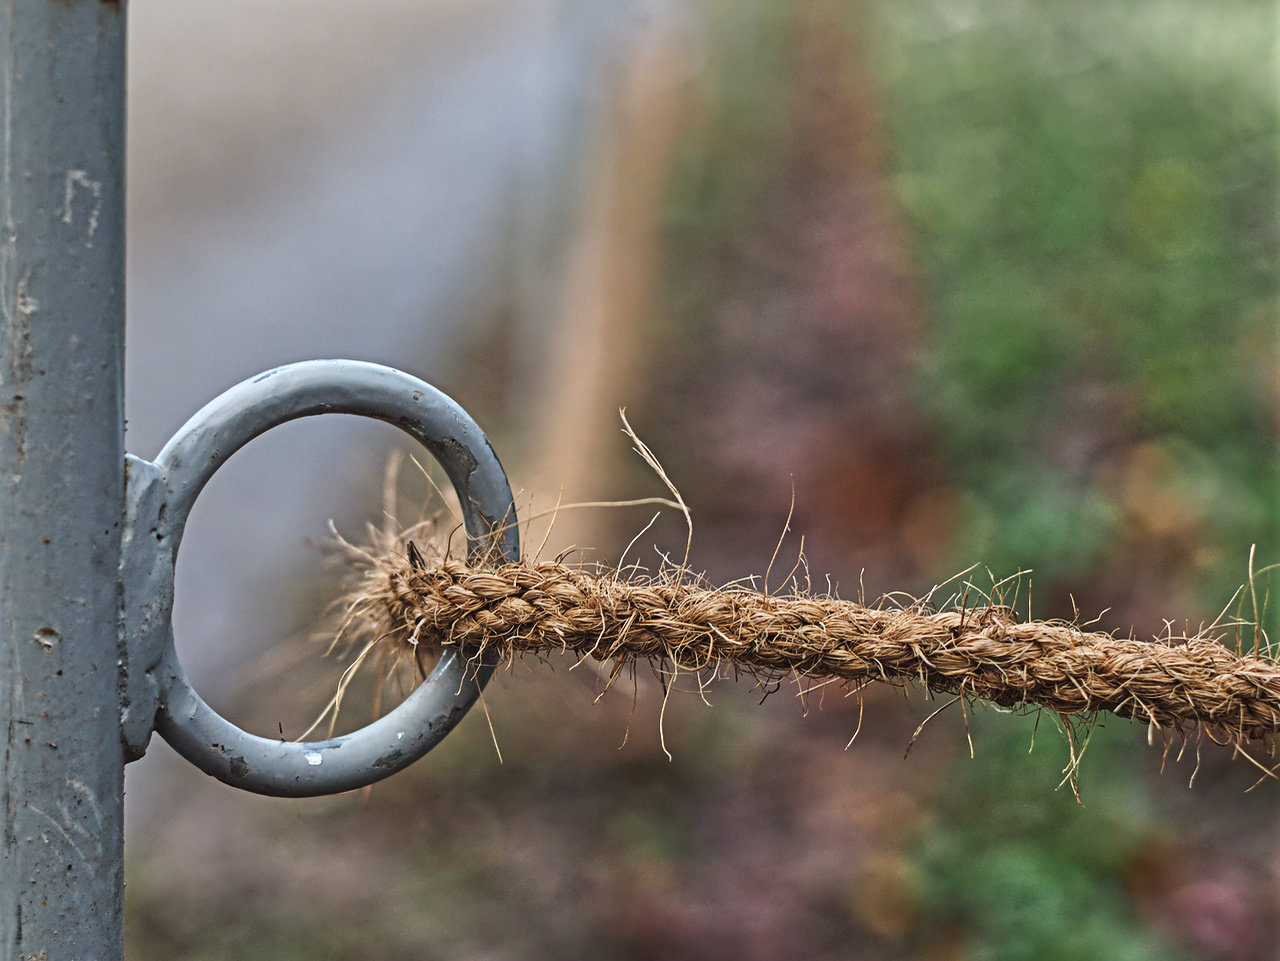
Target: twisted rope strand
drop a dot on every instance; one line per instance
(539, 608)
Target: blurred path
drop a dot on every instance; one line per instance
(309, 183)
(384, 242)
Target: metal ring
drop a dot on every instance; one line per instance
(391, 743)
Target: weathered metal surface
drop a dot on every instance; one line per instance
(156, 521)
(146, 581)
(61, 483)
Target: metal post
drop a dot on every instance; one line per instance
(61, 479)
(89, 537)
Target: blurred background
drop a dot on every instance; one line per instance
(977, 282)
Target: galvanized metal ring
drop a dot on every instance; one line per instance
(391, 743)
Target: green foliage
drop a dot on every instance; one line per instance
(1093, 192)
(1093, 196)
(1029, 874)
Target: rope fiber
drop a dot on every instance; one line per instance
(673, 620)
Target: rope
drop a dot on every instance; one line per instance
(986, 652)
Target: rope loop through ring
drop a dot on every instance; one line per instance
(396, 740)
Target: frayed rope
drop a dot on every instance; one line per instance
(673, 621)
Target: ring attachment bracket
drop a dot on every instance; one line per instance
(155, 691)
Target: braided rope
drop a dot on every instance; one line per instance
(538, 608)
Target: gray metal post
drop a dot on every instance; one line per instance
(61, 479)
